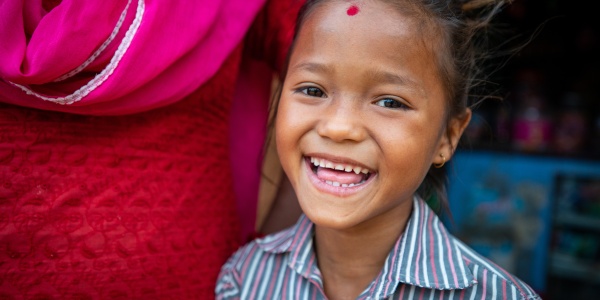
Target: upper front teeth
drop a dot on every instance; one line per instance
(319, 162)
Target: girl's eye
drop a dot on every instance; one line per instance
(391, 103)
(313, 92)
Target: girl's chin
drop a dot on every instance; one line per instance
(330, 221)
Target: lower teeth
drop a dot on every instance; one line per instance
(336, 184)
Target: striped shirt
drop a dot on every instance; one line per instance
(426, 262)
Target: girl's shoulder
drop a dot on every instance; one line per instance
(272, 245)
(428, 260)
(254, 264)
(490, 278)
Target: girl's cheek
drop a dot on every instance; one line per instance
(285, 115)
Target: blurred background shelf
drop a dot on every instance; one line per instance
(564, 266)
(550, 90)
(579, 221)
(524, 185)
(521, 210)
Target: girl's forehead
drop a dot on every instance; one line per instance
(369, 18)
(353, 9)
(362, 16)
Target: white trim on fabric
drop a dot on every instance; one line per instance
(102, 47)
(102, 76)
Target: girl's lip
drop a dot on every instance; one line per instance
(334, 190)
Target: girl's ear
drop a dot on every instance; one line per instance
(455, 129)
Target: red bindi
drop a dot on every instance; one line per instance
(353, 10)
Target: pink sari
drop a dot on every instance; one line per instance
(114, 57)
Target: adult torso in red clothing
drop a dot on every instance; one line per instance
(137, 206)
(134, 206)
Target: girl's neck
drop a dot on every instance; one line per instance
(351, 259)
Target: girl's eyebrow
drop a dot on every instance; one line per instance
(392, 78)
(312, 67)
(385, 77)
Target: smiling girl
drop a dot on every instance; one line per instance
(373, 101)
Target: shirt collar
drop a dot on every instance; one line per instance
(425, 255)
(298, 242)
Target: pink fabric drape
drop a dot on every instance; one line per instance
(104, 57)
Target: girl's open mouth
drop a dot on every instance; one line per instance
(339, 175)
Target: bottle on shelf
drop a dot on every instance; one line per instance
(532, 125)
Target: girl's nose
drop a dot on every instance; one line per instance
(341, 123)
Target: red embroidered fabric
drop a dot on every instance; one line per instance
(126, 207)
(137, 206)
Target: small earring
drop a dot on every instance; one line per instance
(443, 161)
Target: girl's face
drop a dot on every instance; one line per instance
(362, 94)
